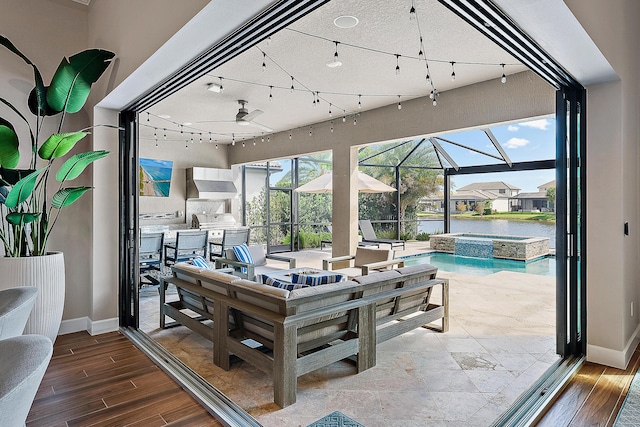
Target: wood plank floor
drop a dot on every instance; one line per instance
(105, 380)
(594, 396)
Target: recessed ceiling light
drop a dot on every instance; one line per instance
(164, 116)
(346, 21)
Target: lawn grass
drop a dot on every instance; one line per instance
(511, 216)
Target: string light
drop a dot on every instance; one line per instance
(165, 134)
(335, 61)
(210, 141)
(290, 136)
(292, 88)
(192, 137)
(453, 71)
(397, 64)
(314, 98)
(310, 131)
(148, 116)
(399, 103)
(421, 53)
(264, 61)
(359, 101)
(200, 138)
(270, 93)
(503, 79)
(243, 143)
(254, 140)
(330, 112)
(155, 135)
(355, 121)
(216, 146)
(233, 139)
(344, 119)
(412, 12)
(221, 87)
(262, 139)
(331, 126)
(268, 139)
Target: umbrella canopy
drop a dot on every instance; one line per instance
(324, 184)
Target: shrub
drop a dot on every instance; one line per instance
(423, 236)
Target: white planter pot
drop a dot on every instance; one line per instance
(47, 274)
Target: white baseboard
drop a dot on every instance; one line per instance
(614, 358)
(86, 324)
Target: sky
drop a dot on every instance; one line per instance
(526, 141)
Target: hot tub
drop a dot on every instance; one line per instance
(491, 246)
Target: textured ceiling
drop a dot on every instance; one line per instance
(384, 30)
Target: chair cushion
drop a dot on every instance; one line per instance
(370, 255)
(200, 262)
(258, 255)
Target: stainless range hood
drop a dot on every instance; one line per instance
(210, 183)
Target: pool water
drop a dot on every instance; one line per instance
(483, 266)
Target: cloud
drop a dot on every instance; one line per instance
(516, 143)
(541, 124)
(513, 128)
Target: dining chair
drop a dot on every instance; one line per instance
(188, 245)
(150, 257)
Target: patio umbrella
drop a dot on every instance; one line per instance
(324, 184)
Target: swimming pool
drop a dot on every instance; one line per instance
(483, 266)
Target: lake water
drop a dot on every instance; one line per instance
(494, 226)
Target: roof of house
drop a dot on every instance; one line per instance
(476, 195)
(538, 195)
(549, 184)
(497, 185)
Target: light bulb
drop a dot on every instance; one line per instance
(330, 113)
(290, 135)
(335, 62)
(292, 88)
(243, 144)
(331, 125)
(435, 102)
(254, 141)
(355, 121)
(310, 131)
(399, 103)
(421, 55)
(397, 64)
(216, 146)
(359, 101)
(270, 93)
(344, 119)
(453, 71)
(268, 139)
(412, 13)
(264, 61)
(503, 79)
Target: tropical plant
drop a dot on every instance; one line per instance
(26, 206)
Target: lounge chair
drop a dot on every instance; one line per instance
(249, 270)
(369, 235)
(230, 238)
(329, 242)
(365, 261)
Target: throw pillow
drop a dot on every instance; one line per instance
(314, 280)
(200, 262)
(283, 285)
(242, 253)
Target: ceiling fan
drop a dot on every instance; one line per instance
(245, 118)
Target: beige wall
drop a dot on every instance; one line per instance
(613, 117)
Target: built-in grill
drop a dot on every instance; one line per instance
(207, 221)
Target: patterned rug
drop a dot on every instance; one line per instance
(629, 415)
(335, 419)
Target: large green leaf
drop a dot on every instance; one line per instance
(40, 91)
(74, 166)
(67, 196)
(57, 145)
(22, 189)
(11, 176)
(9, 152)
(21, 218)
(38, 109)
(72, 80)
